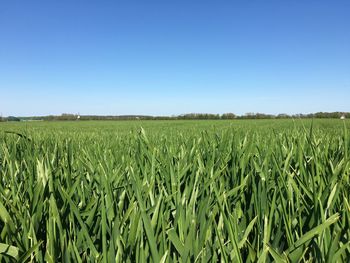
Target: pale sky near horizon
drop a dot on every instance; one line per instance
(174, 57)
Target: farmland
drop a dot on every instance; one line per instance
(175, 191)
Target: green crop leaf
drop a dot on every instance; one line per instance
(8, 250)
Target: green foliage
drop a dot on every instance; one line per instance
(175, 191)
(12, 118)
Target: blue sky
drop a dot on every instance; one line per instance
(174, 57)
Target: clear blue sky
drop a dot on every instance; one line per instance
(174, 57)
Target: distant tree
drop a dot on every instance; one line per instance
(248, 115)
(282, 116)
(263, 116)
(199, 116)
(228, 116)
(67, 117)
(12, 118)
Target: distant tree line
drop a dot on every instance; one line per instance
(10, 118)
(189, 116)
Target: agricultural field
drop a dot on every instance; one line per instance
(175, 191)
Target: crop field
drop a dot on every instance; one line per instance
(175, 191)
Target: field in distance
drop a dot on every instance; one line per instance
(175, 191)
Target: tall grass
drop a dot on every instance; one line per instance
(175, 192)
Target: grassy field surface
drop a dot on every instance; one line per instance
(175, 191)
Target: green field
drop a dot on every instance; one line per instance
(175, 191)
